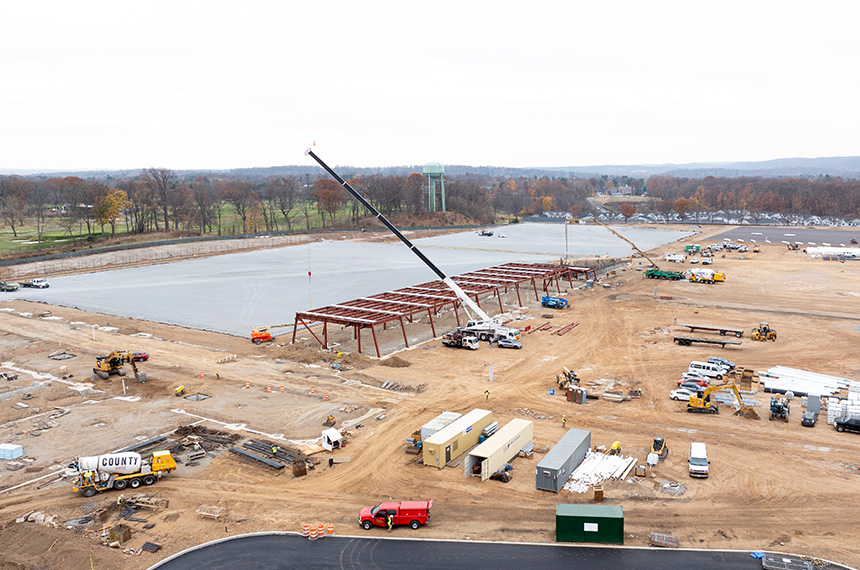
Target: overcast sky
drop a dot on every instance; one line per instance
(210, 84)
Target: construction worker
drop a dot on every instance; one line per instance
(389, 521)
(486, 394)
(274, 450)
(119, 500)
(196, 447)
(217, 374)
(563, 420)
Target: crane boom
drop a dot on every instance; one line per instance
(639, 251)
(447, 280)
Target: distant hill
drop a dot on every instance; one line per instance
(842, 166)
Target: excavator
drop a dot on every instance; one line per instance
(701, 403)
(260, 335)
(113, 364)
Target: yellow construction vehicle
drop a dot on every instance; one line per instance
(329, 421)
(660, 448)
(113, 364)
(566, 378)
(763, 332)
(615, 449)
(179, 391)
(260, 335)
(701, 402)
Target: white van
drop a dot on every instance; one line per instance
(708, 369)
(698, 460)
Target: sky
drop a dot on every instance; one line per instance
(218, 85)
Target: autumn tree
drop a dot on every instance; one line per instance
(283, 192)
(14, 194)
(413, 193)
(160, 182)
(241, 195)
(108, 206)
(329, 197)
(204, 197)
(682, 207)
(627, 210)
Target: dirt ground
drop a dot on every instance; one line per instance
(774, 485)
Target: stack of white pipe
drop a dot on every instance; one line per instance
(596, 468)
(803, 381)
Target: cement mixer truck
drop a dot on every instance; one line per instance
(119, 470)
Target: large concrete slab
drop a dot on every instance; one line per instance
(236, 292)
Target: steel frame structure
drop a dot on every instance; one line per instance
(401, 305)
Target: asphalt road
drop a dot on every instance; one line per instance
(803, 235)
(282, 551)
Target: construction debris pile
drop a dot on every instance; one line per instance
(596, 468)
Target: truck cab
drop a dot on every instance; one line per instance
(412, 513)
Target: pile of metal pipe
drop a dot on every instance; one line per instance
(782, 379)
(596, 468)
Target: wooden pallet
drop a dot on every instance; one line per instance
(210, 511)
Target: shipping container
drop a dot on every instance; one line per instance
(589, 523)
(500, 448)
(437, 423)
(456, 438)
(557, 465)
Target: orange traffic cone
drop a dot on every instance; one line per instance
(321, 530)
(282, 389)
(331, 529)
(201, 374)
(306, 529)
(247, 383)
(313, 535)
(326, 395)
(268, 389)
(313, 390)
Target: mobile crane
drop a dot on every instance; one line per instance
(483, 321)
(636, 249)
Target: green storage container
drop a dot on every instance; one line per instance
(589, 523)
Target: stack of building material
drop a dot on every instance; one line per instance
(848, 408)
(11, 451)
(596, 468)
(782, 379)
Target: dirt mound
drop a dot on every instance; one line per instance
(302, 354)
(396, 362)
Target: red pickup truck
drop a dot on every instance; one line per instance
(413, 513)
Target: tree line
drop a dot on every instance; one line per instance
(159, 200)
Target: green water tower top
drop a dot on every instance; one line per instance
(434, 169)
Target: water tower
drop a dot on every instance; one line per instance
(435, 171)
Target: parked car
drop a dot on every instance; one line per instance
(8, 287)
(509, 343)
(848, 424)
(694, 260)
(693, 375)
(681, 394)
(693, 382)
(691, 385)
(809, 418)
(707, 261)
(722, 361)
(140, 356)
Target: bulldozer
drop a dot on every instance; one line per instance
(763, 332)
(566, 378)
(779, 409)
(329, 421)
(660, 447)
(112, 363)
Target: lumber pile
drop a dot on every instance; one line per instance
(596, 468)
